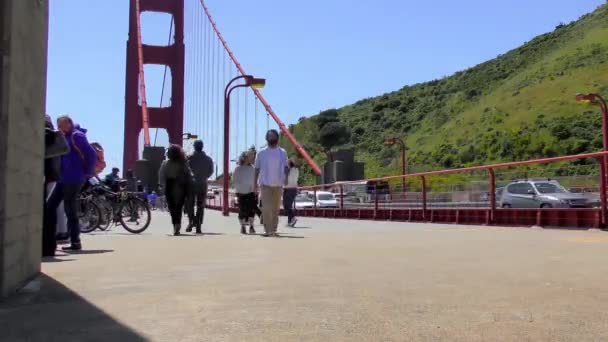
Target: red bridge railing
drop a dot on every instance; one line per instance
(422, 205)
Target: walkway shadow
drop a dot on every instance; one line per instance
(281, 236)
(49, 311)
(213, 234)
(54, 259)
(116, 233)
(285, 236)
(195, 235)
(90, 251)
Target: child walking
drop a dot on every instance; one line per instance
(244, 178)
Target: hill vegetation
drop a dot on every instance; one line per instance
(517, 106)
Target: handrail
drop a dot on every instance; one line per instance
(467, 169)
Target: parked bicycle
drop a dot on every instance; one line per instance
(89, 213)
(120, 208)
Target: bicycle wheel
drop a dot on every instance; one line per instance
(107, 215)
(89, 216)
(135, 215)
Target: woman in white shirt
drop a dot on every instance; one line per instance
(244, 180)
(290, 192)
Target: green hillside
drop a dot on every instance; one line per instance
(517, 106)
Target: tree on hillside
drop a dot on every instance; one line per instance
(333, 134)
(327, 116)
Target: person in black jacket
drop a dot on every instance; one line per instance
(52, 164)
(202, 168)
(175, 178)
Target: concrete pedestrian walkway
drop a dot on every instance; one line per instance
(328, 280)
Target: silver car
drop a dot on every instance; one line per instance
(540, 194)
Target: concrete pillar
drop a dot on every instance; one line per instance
(23, 56)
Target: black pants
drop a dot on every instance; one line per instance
(247, 207)
(197, 200)
(68, 193)
(258, 205)
(176, 197)
(49, 243)
(289, 197)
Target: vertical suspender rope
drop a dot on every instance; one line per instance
(208, 87)
(196, 72)
(162, 92)
(199, 75)
(212, 102)
(255, 124)
(223, 83)
(218, 104)
(259, 95)
(246, 96)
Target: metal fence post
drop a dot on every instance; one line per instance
(376, 201)
(423, 180)
(492, 196)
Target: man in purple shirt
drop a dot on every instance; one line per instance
(76, 167)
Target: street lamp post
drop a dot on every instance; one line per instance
(252, 82)
(601, 102)
(399, 141)
(189, 136)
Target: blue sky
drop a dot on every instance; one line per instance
(315, 54)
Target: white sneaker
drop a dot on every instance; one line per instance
(293, 222)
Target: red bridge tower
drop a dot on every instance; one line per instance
(170, 118)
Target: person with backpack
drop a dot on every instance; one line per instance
(175, 178)
(202, 167)
(77, 166)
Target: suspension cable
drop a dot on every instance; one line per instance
(259, 95)
(142, 79)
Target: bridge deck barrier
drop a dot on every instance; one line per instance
(420, 197)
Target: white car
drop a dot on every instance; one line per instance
(326, 200)
(304, 201)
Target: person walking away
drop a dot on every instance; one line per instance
(290, 192)
(202, 168)
(54, 146)
(131, 181)
(112, 179)
(252, 153)
(175, 178)
(244, 179)
(152, 198)
(52, 166)
(271, 174)
(76, 167)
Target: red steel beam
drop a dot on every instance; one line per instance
(259, 95)
(142, 83)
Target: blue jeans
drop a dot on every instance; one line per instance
(289, 197)
(68, 193)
